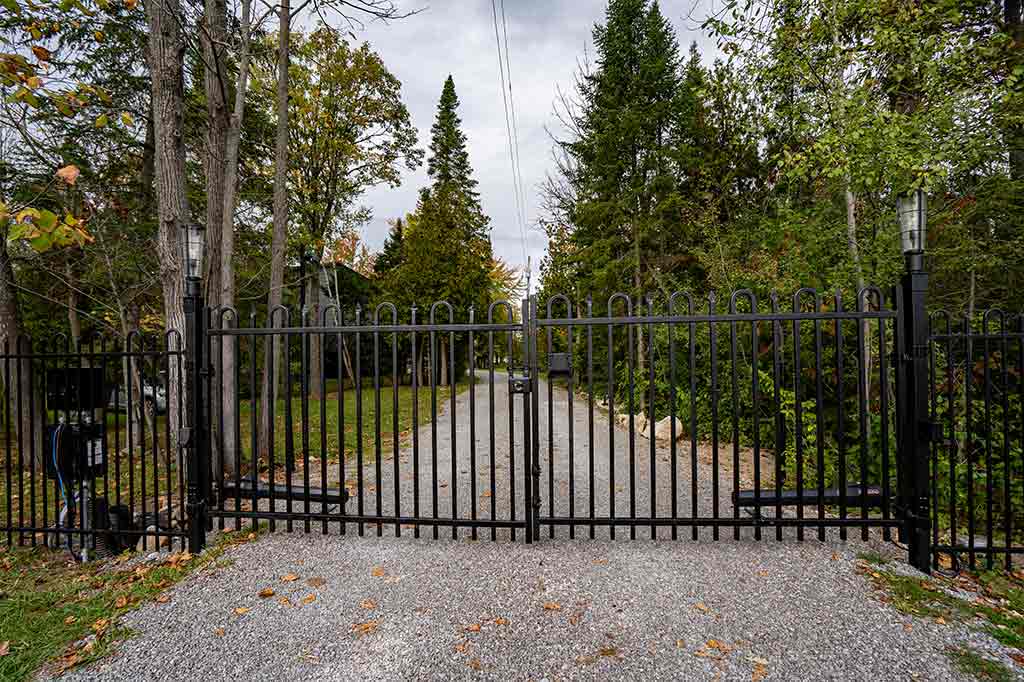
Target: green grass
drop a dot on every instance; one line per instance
(971, 663)
(330, 423)
(997, 606)
(49, 605)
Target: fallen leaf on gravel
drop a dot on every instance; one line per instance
(241, 610)
(575, 618)
(284, 601)
(600, 562)
(475, 664)
(475, 627)
(501, 621)
(377, 572)
(366, 628)
(266, 593)
(680, 643)
(290, 578)
(759, 673)
(552, 606)
(940, 620)
(486, 493)
(835, 556)
(219, 632)
(757, 660)
(701, 606)
(763, 574)
(163, 599)
(316, 582)
(721, 646)
(121, 602)
(585, 660)
(608, 651)
(100, 625)
(5, 648)
(368, 604)
(908, 627)
(462, 647)
(309, 599)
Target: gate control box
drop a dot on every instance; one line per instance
(74, 451)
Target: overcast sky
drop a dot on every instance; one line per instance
(546, 40)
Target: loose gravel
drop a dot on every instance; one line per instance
(383, 607)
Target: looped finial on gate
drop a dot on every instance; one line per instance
(940, 316)
(618, 295)
(862, 297)
(803, 292)
(286, 317)
(989, 314)
(743, 293)
(222, 313)
(328, 308)
(495, 304)
(386, 305)
(446, 304)
(173, 334)
(559, 297)
(680, 294)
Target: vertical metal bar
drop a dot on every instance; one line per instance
(304, 405)
(7, 442)
(396, 372)
(218, 370)
(289, 427)
(692, 352)
(780, 424)
(474, 500)
(572, 429)
(490, 423)
(1007, 498)
(254, 472)
(454, 432)
(551, 433)
(378, 453)
(969, 440)
(883, 394)
(611, 422)
(733, 356)
(415, 425)
(935, 446)
(509, 342)
(535, 399)
(651, 415)
(755, 377)
(433, 422)
(194, 346)
(673, 478)
(713, 349)
(527, 429)
(951, 435)
(590, 414)
(798, 417)
(862, 407)
(840, 414)
(323, 418)
(819, 419)
(339, 351)
(359, 420)
(989, 492)
(271, 418)
(32, 450)
(630, 364)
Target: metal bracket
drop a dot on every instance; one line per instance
(559, 364)
(519, 384)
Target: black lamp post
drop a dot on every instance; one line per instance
(194, 434)
(916, 432)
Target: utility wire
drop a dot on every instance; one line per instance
(518, 196)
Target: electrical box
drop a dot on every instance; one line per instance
(75, 451)
(75, 389)
(559, 364)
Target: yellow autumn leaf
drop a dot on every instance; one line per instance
(266, 593)
(289, 578)
(241, 610)
(309, 599)
(552, 606)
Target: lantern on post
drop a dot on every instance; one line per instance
(193, 437)
(912, 210)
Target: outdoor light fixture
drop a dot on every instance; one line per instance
(195, 246)
(913, 212)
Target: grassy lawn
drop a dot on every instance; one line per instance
(57, 612)
(328, 426)
(996, 607)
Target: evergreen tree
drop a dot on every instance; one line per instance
(390, 256)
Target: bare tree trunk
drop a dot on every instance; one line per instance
(18, 386)
(136, 407)
(230, 455)
(313, 283)
(166, 54)
(851, 242)
(213, 37)
(280, 234)
(74, 321)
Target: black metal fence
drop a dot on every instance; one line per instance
(88, 443)
(977, 458)
(662, 418)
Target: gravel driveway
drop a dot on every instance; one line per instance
(398, 608)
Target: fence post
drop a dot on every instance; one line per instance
(194, 439)
(916, 431)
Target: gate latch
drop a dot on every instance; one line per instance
(519, 384)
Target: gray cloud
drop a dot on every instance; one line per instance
(546, 40)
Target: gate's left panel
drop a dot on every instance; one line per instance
(369, 422)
